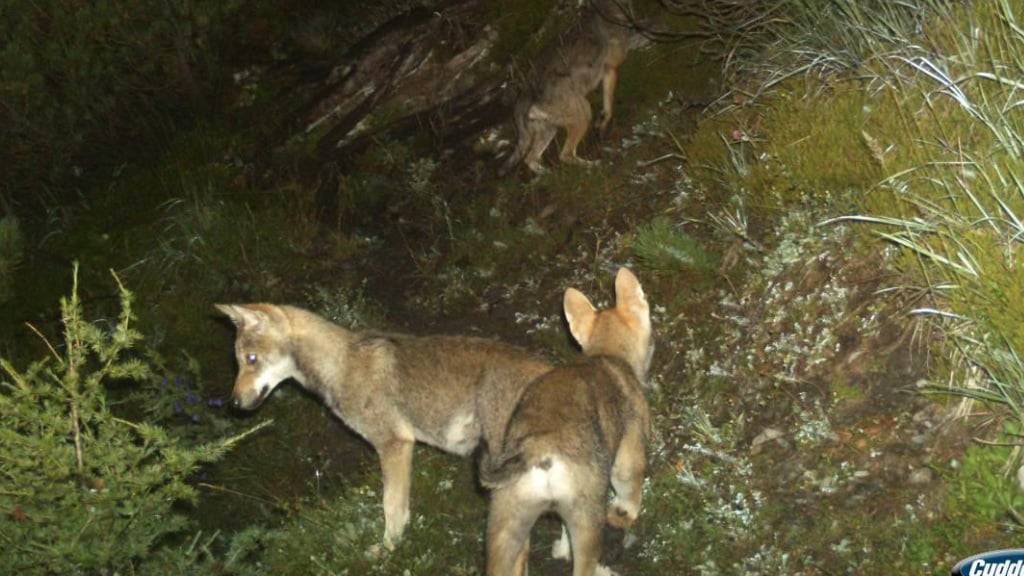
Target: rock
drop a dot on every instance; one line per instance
(766, 435)
(921, 476)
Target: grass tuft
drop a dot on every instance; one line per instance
(662, 247)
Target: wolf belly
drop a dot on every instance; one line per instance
(460, 435)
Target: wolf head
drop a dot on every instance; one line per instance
(622, 332)
(262, 350)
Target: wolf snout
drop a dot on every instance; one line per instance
(239, 402)
(251, 400)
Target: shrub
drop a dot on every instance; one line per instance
(85, 491)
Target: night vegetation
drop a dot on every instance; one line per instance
(823, 199)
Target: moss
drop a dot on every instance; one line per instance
(845, 392)
(794, 148)
(671, 74)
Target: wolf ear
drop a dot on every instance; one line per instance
(244, 317)
(580, 314)
(630, 298)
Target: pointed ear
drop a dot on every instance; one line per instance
(630, 298)
(244, 317)
(580, 314)
(230, 311)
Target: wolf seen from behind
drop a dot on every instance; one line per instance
(576, 430)
(555, 95)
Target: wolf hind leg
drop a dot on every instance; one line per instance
(608, 82)
(542, 133)
(522, 562)
(524, 143)
(515, 157)
(508, 532)
(577, 122)
(584, 524)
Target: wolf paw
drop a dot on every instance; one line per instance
(537, 168)
(620, 517)
(603, 570)
(377, 551)
(581, 162)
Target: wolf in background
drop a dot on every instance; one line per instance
(576, 430)
(392, 389)
(589, 54)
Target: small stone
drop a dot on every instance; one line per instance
(921, 476)
(766, 435)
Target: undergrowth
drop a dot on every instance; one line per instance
(906, 113)
(772, 328)
(86, 491)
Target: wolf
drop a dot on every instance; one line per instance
(576, 430)
(589, 54)
(392, 389)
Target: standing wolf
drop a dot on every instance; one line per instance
(587, 55)
(576, 430)
(392, 389)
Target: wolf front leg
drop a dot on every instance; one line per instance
(628, 478)
(396, 465)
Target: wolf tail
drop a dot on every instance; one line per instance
(496, 470)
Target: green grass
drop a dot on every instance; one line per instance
(915, 126)
(664, 249)
(343, 535)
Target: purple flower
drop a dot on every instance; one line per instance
(177, 407)
(215, 402)
(191, 397)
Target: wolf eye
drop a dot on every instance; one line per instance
(250, 358)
